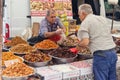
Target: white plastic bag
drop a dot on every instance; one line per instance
(27, 33)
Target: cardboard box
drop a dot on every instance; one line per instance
(35, 29)
(68, 72)
(47, 73)
(85, 69)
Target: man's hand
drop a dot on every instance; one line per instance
(59, 31)
(114, 31)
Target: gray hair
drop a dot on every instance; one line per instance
(49, 12)
(86, 8)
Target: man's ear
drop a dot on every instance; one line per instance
(83, 13)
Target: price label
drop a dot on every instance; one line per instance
(10, 62)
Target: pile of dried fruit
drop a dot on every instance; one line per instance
(62, 53)
(16, 40)
(37, 57)
(83, 50)
(46, 44)
(69, 41)
(17, 70)
(22, 48)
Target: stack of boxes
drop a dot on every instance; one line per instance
(47, 73)
(85, 68)
(81, 70)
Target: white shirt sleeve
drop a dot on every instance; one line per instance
(83, 32)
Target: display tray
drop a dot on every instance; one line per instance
(46, 48)
(34, 77)
(46, 51)
(37, 64)
(85, 55)
(59, 60)
(19, 54)
(5, 49)
(69, 46)
(31, 43)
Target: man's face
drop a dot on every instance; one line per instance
(51, 18)
(81, 15)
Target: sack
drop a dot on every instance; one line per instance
(35, 29)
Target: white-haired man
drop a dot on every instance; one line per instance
(95, 33)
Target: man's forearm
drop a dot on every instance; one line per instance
(49, 34)
(84, 42)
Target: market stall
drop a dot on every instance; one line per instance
(47, 60)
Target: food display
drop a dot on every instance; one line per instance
(69, 41)
(9, 56)
(46, 45)
(84, 53)
(36, 57)
(16, 40)
(22, 48)
(83, 50)
(62, 53)
(17, 70)
(62, 56)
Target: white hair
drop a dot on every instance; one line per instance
(49, 12)
(85, 8)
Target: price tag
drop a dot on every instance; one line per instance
(10, 62)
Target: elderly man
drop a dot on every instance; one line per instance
(51, 27)
(95, 33)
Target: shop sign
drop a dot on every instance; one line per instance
(39, 7)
